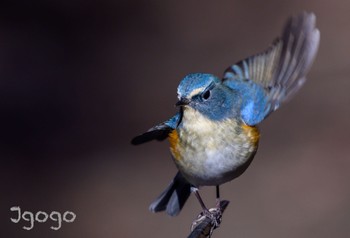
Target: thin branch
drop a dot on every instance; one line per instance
(205, 224)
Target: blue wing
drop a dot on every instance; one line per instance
(268, 79)
(158, 132)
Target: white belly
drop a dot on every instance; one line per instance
(211, 153)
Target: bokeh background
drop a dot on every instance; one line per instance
(78, 79)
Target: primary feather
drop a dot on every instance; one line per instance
(280, 70)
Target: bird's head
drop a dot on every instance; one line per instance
(206, 94)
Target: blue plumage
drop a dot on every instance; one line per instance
(207, 94)
(195, 81)
(253, 100)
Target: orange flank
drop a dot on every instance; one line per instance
(174, 142)
(252, 132)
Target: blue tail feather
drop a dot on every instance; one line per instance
(173, 198)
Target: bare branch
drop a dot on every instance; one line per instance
(205, 224)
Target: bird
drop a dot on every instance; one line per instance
(214, 136)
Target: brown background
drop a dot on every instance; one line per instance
(78, 79)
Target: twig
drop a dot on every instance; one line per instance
(204, 225)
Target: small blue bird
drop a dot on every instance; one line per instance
(214, 136)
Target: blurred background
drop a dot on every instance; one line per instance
(79, 79)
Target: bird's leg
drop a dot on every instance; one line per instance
(218, 211)
(218, 196)
(196, 193)
(214, 214)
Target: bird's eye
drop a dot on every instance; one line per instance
(206, 95)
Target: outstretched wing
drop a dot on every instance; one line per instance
(281, 69)
(158, 132)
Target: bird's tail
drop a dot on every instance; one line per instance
(173, 198)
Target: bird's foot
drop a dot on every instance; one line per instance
(213, 214)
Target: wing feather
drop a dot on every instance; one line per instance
(281, 69)
(159, 132)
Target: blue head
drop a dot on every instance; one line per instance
(206, 94)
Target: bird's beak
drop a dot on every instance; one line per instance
(182, 102)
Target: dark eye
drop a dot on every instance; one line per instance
(206, 95)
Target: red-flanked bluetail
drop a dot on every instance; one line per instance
(214, 136)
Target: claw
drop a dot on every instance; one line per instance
(215, 217)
